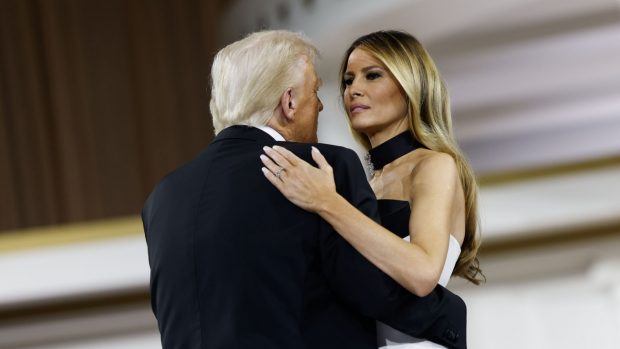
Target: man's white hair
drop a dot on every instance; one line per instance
(249, 76)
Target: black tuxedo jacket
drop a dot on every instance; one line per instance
(235, 265)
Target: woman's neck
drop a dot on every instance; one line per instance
(387, 133)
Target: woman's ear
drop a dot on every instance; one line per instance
(287, 103)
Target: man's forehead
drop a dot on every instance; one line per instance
(311, 70)
(316, 80)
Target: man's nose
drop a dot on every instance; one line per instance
(320, 105)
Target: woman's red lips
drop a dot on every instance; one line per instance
(357, 108)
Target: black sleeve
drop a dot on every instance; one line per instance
(439, 317)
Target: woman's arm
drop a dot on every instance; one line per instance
(416, 265)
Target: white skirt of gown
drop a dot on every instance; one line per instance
(390, 338)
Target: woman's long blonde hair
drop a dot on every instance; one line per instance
(429, 121)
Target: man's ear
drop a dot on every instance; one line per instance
(287, 103)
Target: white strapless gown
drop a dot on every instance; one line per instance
(389, 338)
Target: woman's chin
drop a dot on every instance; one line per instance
(363, 128)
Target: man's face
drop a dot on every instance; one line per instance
(308, 105)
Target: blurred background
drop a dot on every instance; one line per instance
(99, 100)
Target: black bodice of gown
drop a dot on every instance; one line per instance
(394, 213)
(395, 216)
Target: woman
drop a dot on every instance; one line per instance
(398, 108)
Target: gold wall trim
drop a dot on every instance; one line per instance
(104, 229)
(550, 238)
(65, 307)
(141, 297)
(48, 236)
(547, 171)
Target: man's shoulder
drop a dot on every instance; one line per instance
(181, 177)
(336, 150)
(331, 152)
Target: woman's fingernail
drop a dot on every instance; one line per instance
(263, 157)
(266, 148)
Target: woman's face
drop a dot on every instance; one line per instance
(375, 102)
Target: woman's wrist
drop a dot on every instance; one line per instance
(329, 204)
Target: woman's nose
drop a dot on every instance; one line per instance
(355, 89)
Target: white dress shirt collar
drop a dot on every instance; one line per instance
(273, 133)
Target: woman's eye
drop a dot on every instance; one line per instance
(348, 81)
(373, 76)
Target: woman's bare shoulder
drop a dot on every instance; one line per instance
(434, 167)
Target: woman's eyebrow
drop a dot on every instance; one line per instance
(365, 69)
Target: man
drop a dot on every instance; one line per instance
(234, 264)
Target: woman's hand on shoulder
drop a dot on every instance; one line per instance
(301, 183)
